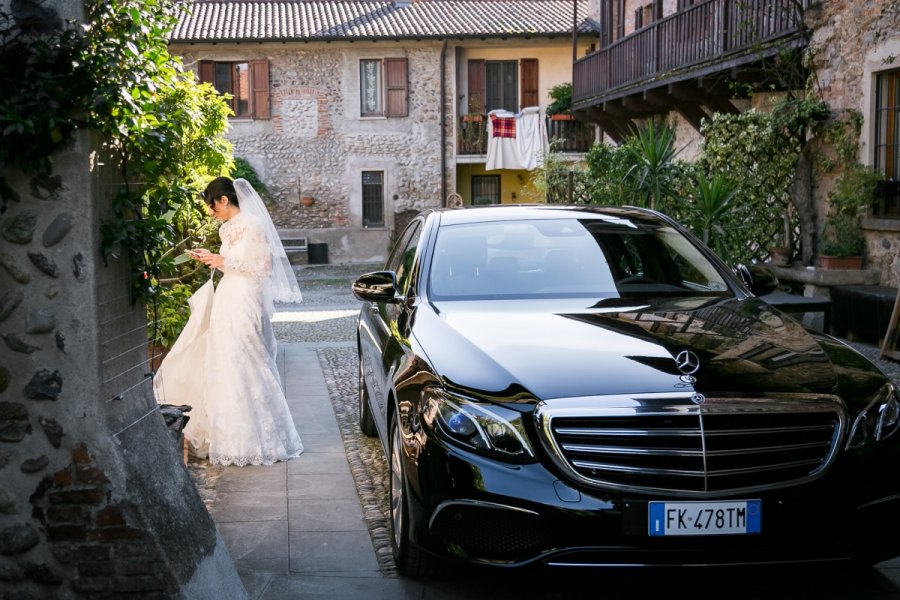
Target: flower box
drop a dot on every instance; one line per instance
(847, 263)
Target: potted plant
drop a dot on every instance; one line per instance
(843, 243)
(843, 237)
(561, 105)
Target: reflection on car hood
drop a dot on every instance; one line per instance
(560, 349)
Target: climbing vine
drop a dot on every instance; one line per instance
(114, 75)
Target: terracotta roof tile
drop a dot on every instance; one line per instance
(249, 20)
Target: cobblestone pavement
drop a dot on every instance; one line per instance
(326, 319)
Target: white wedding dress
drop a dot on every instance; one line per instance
(227, 371)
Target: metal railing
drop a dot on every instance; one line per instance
(710, 31)
(565, 136)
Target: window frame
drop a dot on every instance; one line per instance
(256, 89)
(366, 204)
(495, 179)
(887, 124)
(392, 87)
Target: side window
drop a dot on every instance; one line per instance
(401, 260)
(383, 87)
(246, 83)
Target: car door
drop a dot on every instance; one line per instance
(381, 328)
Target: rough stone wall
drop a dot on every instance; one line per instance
(317, 144)
(94, 498)
(851, 42)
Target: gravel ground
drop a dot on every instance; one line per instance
(327, 316)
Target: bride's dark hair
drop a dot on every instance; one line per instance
(218, 187)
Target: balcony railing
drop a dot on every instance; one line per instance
(565, 136)
(708, 32)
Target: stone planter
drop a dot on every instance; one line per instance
(780, 256)
(847, 263)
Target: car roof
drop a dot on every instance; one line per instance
(503, 212)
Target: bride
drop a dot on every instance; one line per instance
(223, 363)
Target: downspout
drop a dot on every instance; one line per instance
(444, 125)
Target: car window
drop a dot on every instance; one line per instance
(607, 257)
(401, 259)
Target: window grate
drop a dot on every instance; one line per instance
(373, 198)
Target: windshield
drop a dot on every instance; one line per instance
(606, 258)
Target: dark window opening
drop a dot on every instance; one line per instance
(373, 198)
(485, 189)
(887, 144)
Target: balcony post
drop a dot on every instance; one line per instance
(725, 15)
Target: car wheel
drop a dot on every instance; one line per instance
(366, 419)
(410, 560)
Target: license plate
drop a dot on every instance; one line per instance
(738, 517)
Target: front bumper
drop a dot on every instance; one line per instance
(470, 508)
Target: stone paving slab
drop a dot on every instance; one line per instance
(332, 552)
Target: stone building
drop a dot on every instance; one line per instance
(95, 500)
(675, 58)
(356, 114)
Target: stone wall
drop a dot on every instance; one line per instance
(851, 43)
(317, 145)
(95, 500)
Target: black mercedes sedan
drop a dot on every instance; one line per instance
(572, 386)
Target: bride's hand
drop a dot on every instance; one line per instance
(214, 261)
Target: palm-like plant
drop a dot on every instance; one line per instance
(712, 203)
(653, 154)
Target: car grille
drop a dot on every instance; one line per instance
(723, 445)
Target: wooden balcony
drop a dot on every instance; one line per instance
(569, 136)
(639, 74)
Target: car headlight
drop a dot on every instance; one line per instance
(878, 421)
(480, 426)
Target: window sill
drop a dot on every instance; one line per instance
(372, 118)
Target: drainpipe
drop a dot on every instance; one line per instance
(444, 125)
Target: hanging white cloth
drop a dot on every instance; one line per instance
(502, 148)
(516, 140)
(531, 135)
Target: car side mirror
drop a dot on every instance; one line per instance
(758, 279)
(380, 286)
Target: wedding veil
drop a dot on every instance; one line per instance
(281, 285)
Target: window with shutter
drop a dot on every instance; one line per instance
(383, 87)
(245, 82)
(529, 67)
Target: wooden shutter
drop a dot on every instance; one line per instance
(207, 71)
(259, 81)
(529, 68)
(396, 76)
(476, 86)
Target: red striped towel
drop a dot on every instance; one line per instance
(503, 126)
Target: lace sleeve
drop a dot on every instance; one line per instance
(249, 253)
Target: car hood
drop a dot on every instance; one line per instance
(619, 346)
